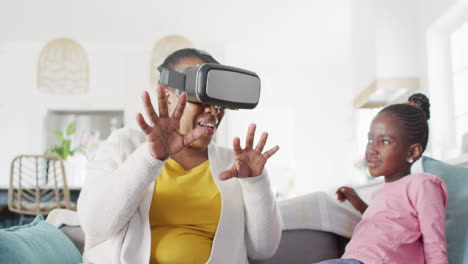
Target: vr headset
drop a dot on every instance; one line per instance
(215, 84)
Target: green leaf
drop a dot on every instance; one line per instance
(71, 128)
(52, 149)
(63, 150)
(59, 135)
(66, 153)
(58, 151)
(66, 144)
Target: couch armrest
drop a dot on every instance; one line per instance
(75, 234)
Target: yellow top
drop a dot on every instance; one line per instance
(184, 214)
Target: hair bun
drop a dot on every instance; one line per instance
(422, 101)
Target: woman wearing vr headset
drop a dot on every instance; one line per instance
(168, 194)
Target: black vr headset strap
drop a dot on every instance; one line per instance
(172, 78)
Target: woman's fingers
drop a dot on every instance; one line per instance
(194, 135)
(249, 161)
(243, 169)
(162, 102)
(180, 107)
(270, 152)
(142, 124)
(250, 137)
(149, 109)
(225, 175)
(236, 146)
(261, 143)
(239, 170)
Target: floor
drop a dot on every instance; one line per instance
(8, 219)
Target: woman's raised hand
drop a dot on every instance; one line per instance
(249, 161)
(162, 133)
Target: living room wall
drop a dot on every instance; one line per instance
(299, 48)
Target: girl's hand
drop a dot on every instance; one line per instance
(348, 193)
(162, 133)
(249, 161)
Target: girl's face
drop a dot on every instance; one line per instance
(387, 151)
(195, 115)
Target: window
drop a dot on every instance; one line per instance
(459, 59)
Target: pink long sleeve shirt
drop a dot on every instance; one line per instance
(405, 223)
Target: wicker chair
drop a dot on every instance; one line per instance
(38, 185)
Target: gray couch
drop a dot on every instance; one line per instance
(296, 246)
(302, 241)
(76, 235)
(303, 245)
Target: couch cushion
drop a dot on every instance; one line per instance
(37, 242)
(318, 211)
(456, 179)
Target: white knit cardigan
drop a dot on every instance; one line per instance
(114, 206)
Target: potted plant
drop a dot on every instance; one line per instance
(73, 167)
(63, 149)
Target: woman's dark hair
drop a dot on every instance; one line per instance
(422, 101)
(413, 120)
(172, 60)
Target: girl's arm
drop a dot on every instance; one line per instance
(430, 202)
(347, 193)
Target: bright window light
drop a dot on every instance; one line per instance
(459, 58)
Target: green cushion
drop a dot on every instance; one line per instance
(37, 242)
(456, 228)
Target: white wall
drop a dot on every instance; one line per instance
(396, 31)
(301, 49)
(397, 44)
(363, 41)
(364, 71)
(385, 41)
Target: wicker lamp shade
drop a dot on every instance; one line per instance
(63, 68)
(161, 50)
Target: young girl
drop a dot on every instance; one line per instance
(405, 222)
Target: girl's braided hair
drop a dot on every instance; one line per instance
(413, 117)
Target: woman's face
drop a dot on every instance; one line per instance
(387, 150)
(195, 115)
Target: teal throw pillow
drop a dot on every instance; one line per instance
(456, 228)
(37, 242)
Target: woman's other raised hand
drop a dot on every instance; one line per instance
(249, 161)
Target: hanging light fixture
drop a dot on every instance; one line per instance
(63, 68)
